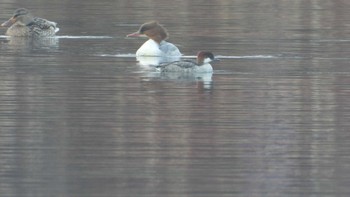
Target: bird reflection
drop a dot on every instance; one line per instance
(204, 80)
(23, 43)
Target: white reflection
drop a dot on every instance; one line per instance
(204, 80)
(31, 43)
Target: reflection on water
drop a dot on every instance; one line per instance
(203, 80)
(21, 43)
(80, 115)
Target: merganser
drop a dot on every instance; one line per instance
(187, 66)
(22, 23)
(156, 45)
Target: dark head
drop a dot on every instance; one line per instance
(20, 12)
(21, 16)
(152, 30)
(204, 57)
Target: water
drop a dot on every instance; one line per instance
(79, 116)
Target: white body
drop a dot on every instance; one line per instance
(205, 68)
(152, 48)
(151, 61)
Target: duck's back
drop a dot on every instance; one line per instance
(178, 66)
(42, 27)
(169, 49)
(185, 66)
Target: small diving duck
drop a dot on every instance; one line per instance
(156, 45)
(23, 24)
(187, 66)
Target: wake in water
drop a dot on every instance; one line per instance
(83, 37)
(70, 37)
(194, 57)
(162, 58)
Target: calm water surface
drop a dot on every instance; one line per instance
(79, 116)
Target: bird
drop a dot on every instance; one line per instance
(23, 24)
(202, 65)
(156, 45)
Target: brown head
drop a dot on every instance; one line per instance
(204, 57)
(21, 16)
(152, 30)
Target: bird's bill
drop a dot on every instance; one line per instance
(136, 34)
(8, 23)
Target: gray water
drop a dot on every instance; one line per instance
(79, 116)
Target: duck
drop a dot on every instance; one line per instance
(23, 24)
(156, 44)
(202, 65)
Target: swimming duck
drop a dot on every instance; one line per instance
(187, 66)
(22, 23)
(156, 45)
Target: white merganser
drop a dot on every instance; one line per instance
(187, 66)
(156, 45)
